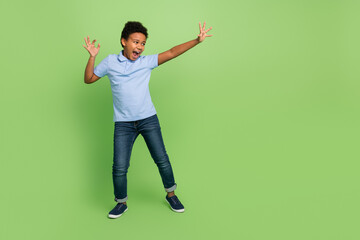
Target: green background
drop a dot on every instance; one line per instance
(260, 121)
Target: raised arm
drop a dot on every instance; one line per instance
(89, 76)
(180, 49)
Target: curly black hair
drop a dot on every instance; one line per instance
(132, 27)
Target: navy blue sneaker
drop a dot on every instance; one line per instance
(175, 204)
(118, 210)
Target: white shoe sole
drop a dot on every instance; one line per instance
(116, 216)
(175, 210)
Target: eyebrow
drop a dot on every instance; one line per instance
(135, 39)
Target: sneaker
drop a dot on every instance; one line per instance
(175, 204)
(118, 210)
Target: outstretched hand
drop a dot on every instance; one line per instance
(91, 47)
(203, 35)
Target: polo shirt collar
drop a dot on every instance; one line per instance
(121, 57)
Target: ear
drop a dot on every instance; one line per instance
(123, 41)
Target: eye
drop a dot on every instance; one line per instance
(143, 44)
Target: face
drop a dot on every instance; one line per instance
(134, 45)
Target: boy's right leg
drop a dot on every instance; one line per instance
(125, 135)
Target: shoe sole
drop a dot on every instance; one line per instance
(175, 210)
(116, 216)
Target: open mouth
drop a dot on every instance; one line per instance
(136, 54)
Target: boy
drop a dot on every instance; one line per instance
(134, 112)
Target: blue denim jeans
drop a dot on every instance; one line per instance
(125, 134)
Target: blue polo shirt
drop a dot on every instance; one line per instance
(129, 82)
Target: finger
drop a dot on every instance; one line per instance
(208, 30)
(204, 25)
(93, 41)
(208, 35)
(98, 46)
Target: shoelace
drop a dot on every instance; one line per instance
(119, 206)
(175, 200)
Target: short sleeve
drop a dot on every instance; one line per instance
(152, 61)
(102, 68)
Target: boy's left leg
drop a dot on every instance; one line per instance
(150, 129)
